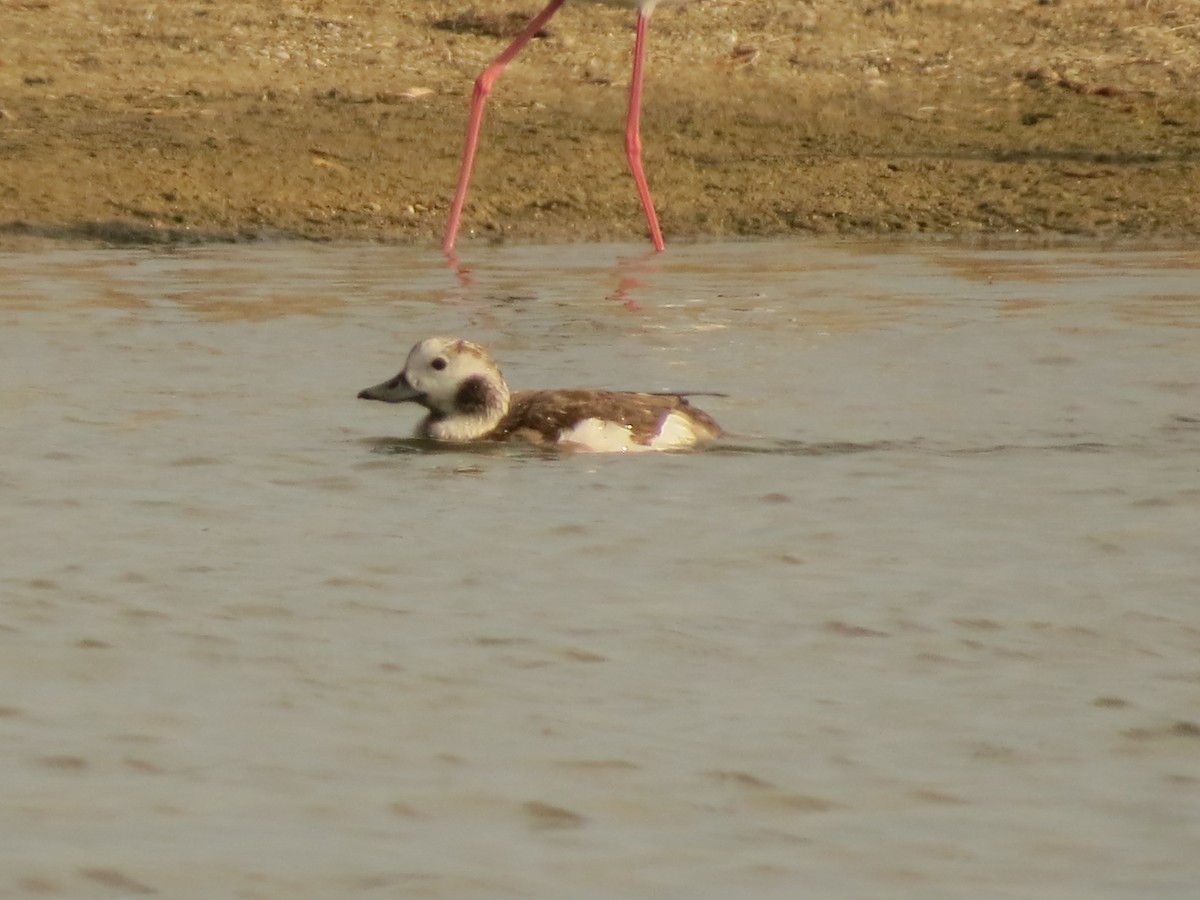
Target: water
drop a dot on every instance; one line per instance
(925, 625)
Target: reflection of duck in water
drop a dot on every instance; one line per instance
(468, 400)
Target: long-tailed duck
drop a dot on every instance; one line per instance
(468, 400)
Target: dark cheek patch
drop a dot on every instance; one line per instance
(473, 396)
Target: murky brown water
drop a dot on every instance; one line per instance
(925, 626)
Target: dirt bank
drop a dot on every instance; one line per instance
(335, 119)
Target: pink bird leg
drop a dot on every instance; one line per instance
(633, 137)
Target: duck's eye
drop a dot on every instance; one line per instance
(439, 363)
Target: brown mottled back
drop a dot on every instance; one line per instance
(547, 413)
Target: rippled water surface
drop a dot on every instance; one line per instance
(926, 624)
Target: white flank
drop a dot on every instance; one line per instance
(603, 436)
(599, 436)
(676, 431)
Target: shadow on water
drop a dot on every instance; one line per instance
(413, 446)
(394, 446)
(915, 445)
(806, 448)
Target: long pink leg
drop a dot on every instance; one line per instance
(633, 128)
(483, 87)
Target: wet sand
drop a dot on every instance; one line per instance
(344, 119)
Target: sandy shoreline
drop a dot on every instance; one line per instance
(344, 120)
